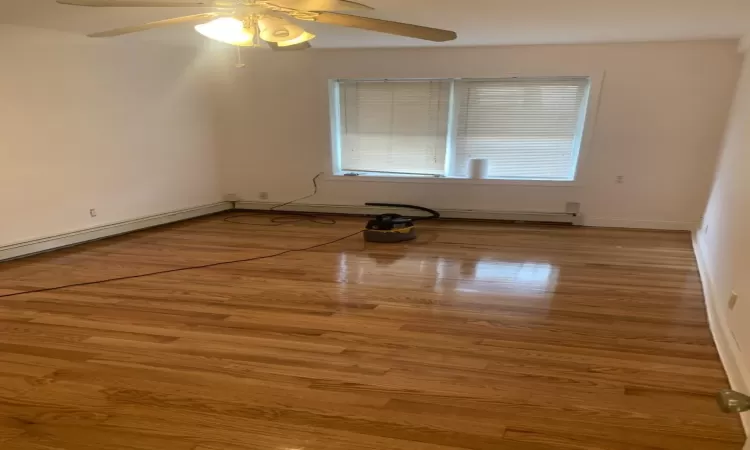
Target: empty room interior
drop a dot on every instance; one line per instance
(375, 224)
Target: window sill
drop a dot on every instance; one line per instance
(449, 180)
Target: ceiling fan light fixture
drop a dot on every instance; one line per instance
(228, 30)
(277, 30)
(304, 37)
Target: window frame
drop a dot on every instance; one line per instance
(585, 136)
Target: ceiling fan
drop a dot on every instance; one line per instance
(245, 23)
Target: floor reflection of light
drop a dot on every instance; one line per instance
(343, 276)
(529, 278)
(444, 276)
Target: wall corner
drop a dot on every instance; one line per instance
(744, 44)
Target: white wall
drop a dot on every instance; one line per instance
(98, 124)
(126, 129)
(660, 119)
(723, 242)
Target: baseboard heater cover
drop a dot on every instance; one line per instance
(46, 244)
(572, 218)
(32, 247)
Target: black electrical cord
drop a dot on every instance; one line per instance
(183, 269)
(289, 218)
(286, 219)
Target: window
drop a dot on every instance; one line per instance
(528, 129)
(395, 127)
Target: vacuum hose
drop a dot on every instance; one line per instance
(434, 214)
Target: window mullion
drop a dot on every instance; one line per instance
(452, 126)
(337, 127)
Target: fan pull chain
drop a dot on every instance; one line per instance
(256, 26)
(240, 64)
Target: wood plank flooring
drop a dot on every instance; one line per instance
(476, 336)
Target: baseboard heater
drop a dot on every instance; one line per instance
(32, 247)
(49, 243)
(571, 217)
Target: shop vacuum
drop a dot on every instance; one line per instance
(394, 228)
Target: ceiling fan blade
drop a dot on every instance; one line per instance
(152, 25)
(125, 3)
(275, 47)
(386, 26)
(320, 5)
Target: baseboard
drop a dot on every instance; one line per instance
(575, 219)
(730, 354)
(446, 213)
(640, 224)
(90, 234)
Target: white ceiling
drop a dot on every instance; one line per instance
(478, 22)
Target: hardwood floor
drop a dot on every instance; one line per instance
(476, 336)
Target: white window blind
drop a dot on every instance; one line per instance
(526, 128)
(397, 127)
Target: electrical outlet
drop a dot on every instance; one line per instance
(263, 195)
(620, 179)
(572, 208)
(733, 300)
(92, 212)
(232, 198)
